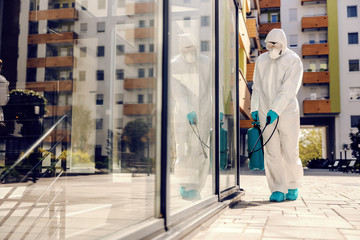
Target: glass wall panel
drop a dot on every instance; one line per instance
(96, 63)
(191, 103)
(227, 93)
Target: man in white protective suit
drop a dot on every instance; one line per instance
(190, 90)
(277, 80)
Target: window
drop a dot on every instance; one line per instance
(311, 38)
(141, 72)
(355, 120)
(151, 22)
(323, 66)
(141, 48)
(293, 15)
(354, 94)
(99, 123)
(151, 48)
(121, 3)
(151, 72)
(140, 98)
(120, 49)
(101, 27)
(274, 17)
(98, 149)
(205, 21)
(119, 74)
(101, 4)
(83, 27)
(205, 46)
(82, 75)
(65, 5)
(354, 65)
(100, 75)
(150, 98)
(293, 40)
(83, 52)
(100, 51)
(352, 11)
(323, 37)
(99, 99)
(119, 123)
(353, 38)
(119, 98)
(142, 23)
(187, 21)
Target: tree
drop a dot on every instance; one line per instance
(132, 136)
(355, 142)
(310, 145)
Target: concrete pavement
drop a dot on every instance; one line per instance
(328, 207)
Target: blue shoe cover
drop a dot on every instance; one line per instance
(277, 197)
(189, 195)
(292, 194)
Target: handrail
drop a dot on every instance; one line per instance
(29, 150)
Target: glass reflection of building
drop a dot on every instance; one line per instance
(100, 63)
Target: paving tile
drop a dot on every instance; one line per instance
(308, 222)
(301, 232)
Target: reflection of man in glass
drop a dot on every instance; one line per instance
(190, 90)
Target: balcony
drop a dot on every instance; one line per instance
(250, 72)
(56, 135)
(66, 37)
(246, 124)
(316, 22)
(319, 49)
(317, 106)
(50, 62)
(54, 14)
(265, 28)
(51, 86)
(139, 58)
(55, 110)
(244, 37)
(139, 83)
(140, 8)
(253, 31)
(269, 4)
(244, 97)
(139, 109)
(140, 33)
(312, 1)
(316, 77)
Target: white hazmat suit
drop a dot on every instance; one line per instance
(190, 90)
(277, 80)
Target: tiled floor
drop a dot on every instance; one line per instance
(328, 207)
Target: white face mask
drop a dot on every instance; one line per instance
(275, 53)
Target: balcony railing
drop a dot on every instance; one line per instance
(244, 97)
(316, 77)
(270, 3)
(138, 109)
(54, 14)
(50, 86)
(50, 62)
(317, 106)
(314, 22)
(52, 38)
(253, 31)
(244, 36)
(315, 49)
(139, 83)
(265, 28)
(140, 33)
(139, 58)
(250, 72)
(140, 8)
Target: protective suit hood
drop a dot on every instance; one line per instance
(188, 48)
(276, 35)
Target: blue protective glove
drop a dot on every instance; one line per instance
(255, 115)
(272, 115)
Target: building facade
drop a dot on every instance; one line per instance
(124, 115)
